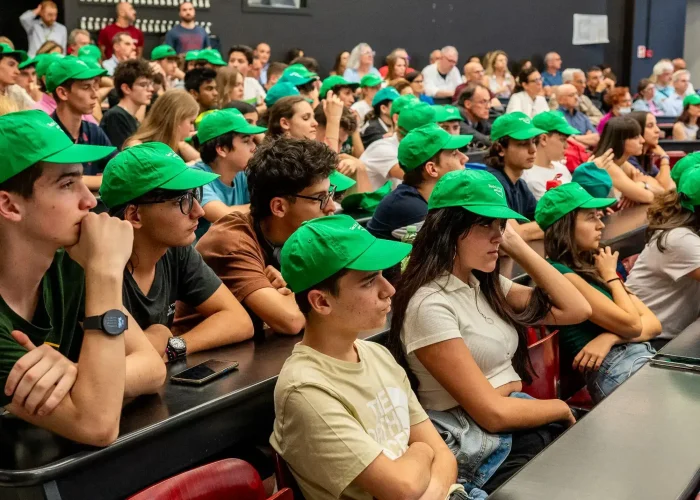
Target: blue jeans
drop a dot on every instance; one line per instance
(619, 365)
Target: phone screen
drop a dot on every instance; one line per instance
(204, 370)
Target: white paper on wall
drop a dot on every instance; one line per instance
(590, 29)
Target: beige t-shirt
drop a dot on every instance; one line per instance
(334, 418)
(448, 308)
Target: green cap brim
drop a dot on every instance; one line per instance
(189, 178)
(380, 255)
(80, 153)
(568, 130)
(28, 62)
(598, 203)
(529, 133)
(88, 74)
(341, 182)
(19, 53)
(495, 212)
(458, 142)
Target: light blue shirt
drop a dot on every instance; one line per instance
(110, 65)
(672, 105)
(235, 194)
(38, 32)
(662, 93)
(353, 75)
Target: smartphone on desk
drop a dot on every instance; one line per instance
(204, 372)
(676, 362)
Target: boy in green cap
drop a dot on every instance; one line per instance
(73, 85)
(151, 187)
(62, 265)
(340, 87)
(346, 419)
(10, 61)
(288, 182)
(369, 86)
(425, 155)
(513, 151)
(550, 153)
(226, 144)
(306, 82)
(27, 79)
(448, 118)
(381, 120)
(165, 60)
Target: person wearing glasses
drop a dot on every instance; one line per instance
(442, 78)
(416, 79)
(152, 188)
(528, 99)
(288, 182)
(360, 63)
(133, 82)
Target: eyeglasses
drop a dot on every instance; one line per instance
(185, 202)
(323, 199)
(535, 80)
(369, 53)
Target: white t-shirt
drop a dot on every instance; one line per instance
(448, 308)
(252, 90)
(537, 177)
(379, 158)
(660, 280)
(435, 82)
(362, 109)
(521, 101)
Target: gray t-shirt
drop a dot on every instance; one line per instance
(661, 280)
(181, 274)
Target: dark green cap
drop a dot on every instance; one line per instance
(423, 143)
(689, 189)
(564, 199)
(446, 113)
(367, 202)
(687, 162)
(691, 100)
(90, 50)
(341, 182)
(27, 137)
(416, 116)
(6, 50)
(192, 55)
(370, 80)
(477, 191)
(385, 94)
(335, 81)
(554, 121)
(278, 91)
(29, 62)
(516, 125)
(70, 68)
(596, 181)
(324, 246)
(44, 61)
(162, 52)
(223, 121)
(400, 103)
(297, 74)
(142, 168)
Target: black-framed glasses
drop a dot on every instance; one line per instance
(322, 199)
(185, 201)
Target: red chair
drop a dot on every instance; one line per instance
(544, 355)
(222, 480)
(284, 477)
(674, 156)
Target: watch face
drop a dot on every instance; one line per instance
(114, 322)
(177, 343)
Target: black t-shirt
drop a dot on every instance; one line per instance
(401, 207)
(119, 125)
(373, 130)
(181, 274)
(518, 195)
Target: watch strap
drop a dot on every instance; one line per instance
(93, 323)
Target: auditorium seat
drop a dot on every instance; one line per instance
(285, 479)
(544, 355)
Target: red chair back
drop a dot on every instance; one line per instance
(544, 355)
(284, 477)
(222, 480)
(674, 156)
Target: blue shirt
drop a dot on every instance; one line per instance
(235, 194)
(578, 120)
(183, 39)
(353, 75)
(93, 135)
(549, 80)
(518, 195)
(401, 207)
(672, 105)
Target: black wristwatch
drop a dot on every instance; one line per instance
(113, 322)
(176, 349)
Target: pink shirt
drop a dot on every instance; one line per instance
(603, 121)
(47, 104)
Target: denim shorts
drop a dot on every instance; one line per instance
(619, 365)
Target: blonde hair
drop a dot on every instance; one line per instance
(48, 46)
(4, 39)
(490, 60)
(161, 123)
(225, 81)
(7, 105)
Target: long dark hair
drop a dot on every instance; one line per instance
(433, 255)
(685, 117)
(615, 133)
(646, 159)
(666, 213)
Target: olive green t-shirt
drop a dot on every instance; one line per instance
(573, 338)
(55, 321)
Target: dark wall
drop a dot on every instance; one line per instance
(523, 28)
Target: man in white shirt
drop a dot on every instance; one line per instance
(441, 79)
(241, 58)
(44, 28)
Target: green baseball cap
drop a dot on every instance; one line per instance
(516, 125)
(335, 81)
(192, 55)
(324, 246)
(91, 62)
(554, 121)
(27, 137)
(341, 182)
(595, 180)
(689, 161)
(223, 121)
(142, 168)
(90, 50)
(212, 56)
(561, 200)
(689, 187)
(370, 80)
(477, 191)
(44, 61)
(692, 99)
(297, 74)
(278, 91)
(6, 50)
(162, 52)
(365, 202)
(446, 113)
(400, 102)
(32, 61)
(423, 143)
(70, 68)
(385, 94)
(416, 116)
